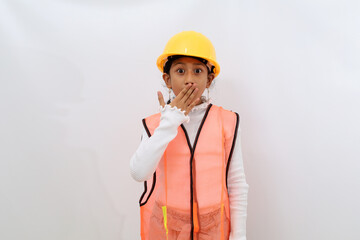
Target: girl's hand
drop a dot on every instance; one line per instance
(184, 100)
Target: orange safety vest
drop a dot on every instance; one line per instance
(187, 197)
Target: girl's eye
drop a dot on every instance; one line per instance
(198, 70)
(180, 70)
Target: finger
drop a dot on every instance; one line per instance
(184, 91)
(161, 99)
(188, 93)
(188, 109)
(192, 95)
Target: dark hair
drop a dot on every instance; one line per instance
(172, 58)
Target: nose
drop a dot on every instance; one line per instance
(188, 78)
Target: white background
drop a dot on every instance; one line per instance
(78, 76)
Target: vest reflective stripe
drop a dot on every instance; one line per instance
(187, 197)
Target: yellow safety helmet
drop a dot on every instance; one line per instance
(189, 43)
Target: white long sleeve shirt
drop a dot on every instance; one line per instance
(146, 158)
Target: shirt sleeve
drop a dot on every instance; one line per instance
(238, 192)
(144, 161)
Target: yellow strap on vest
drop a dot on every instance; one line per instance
(166, 193)
(165, 220)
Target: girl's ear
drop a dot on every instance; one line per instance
(211, 77)
(167, 80)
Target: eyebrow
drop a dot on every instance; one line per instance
(184, 63)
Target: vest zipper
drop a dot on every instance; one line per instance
(192, 173)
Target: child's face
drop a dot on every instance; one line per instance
(188, 70)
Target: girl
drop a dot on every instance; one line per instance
(190, 155)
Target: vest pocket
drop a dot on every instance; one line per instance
(179, 224)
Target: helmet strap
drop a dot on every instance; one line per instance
(169, 94)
